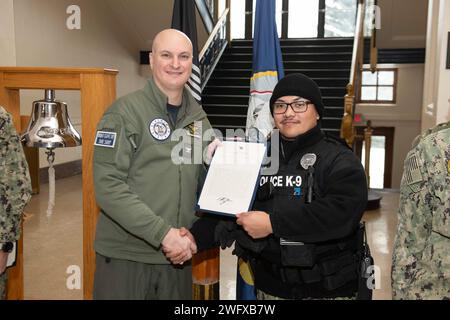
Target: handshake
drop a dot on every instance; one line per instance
(179, 245)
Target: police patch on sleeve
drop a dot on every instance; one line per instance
(159, 129)
(105, 139)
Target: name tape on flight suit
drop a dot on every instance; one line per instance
(105, 139)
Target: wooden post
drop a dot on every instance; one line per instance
(32, 156)
(367, 146)
(205, 275)
(98, 91)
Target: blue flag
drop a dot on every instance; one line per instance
(267, 70)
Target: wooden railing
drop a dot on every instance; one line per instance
(353, 88)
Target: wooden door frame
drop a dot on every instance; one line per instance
(388, 133)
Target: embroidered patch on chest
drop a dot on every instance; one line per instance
(105, 139)
(159, 129)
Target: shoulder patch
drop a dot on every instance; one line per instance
(105, 139)
(412, 170)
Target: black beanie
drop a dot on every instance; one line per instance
(298, 84)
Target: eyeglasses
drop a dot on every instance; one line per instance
(297, 106)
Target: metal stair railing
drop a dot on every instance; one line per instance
(214, 47)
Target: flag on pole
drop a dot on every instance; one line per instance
(184, 19)
(267, 70)
(245, 285)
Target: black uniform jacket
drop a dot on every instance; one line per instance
(307, 235)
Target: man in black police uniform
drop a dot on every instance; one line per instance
(303, 237)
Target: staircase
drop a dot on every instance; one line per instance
(326, 61)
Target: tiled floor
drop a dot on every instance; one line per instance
(53, 246)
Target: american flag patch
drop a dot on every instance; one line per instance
(412, 171)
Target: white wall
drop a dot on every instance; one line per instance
(404, 115)
(34, 33)
(7, 34)
(403, 24)
(436, 103)
(42, 39)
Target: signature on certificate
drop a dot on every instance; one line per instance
(223, 200)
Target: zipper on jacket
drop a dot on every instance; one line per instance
(179, 195)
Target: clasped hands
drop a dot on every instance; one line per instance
(179, 245)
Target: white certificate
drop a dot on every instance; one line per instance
(232, 178)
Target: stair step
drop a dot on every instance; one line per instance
(241, 90)
(233, 128)
(243, 99)
(298, 56)
(289, 64)
(294, 49)
(312, 73)
(302, 41)
(216, 109)
(242, 81)
(225, 109)
(240, 120)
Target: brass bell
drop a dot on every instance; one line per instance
(50, 125)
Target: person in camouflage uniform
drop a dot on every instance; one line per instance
(15, 189)
(421, 257)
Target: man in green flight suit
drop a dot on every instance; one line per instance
(146, 194)
(15, 191)
(421, 257)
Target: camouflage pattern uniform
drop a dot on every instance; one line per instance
(421, 257)
(15, 185)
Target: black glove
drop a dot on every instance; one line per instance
(203, 232)
(225, 233)
(248, 243)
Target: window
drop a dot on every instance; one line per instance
(379, 87)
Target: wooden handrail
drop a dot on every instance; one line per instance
(347, 128)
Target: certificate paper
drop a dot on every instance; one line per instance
(231, 181)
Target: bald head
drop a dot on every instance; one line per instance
(172, 35)
(171, 61)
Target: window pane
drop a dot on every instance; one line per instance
(368, 93)
(369, 78)
(278, 9)
(221, 7)
(386, 77)
(303, 19)
(237, 19)
(386, 93)
(376, 166)
(340, 18)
